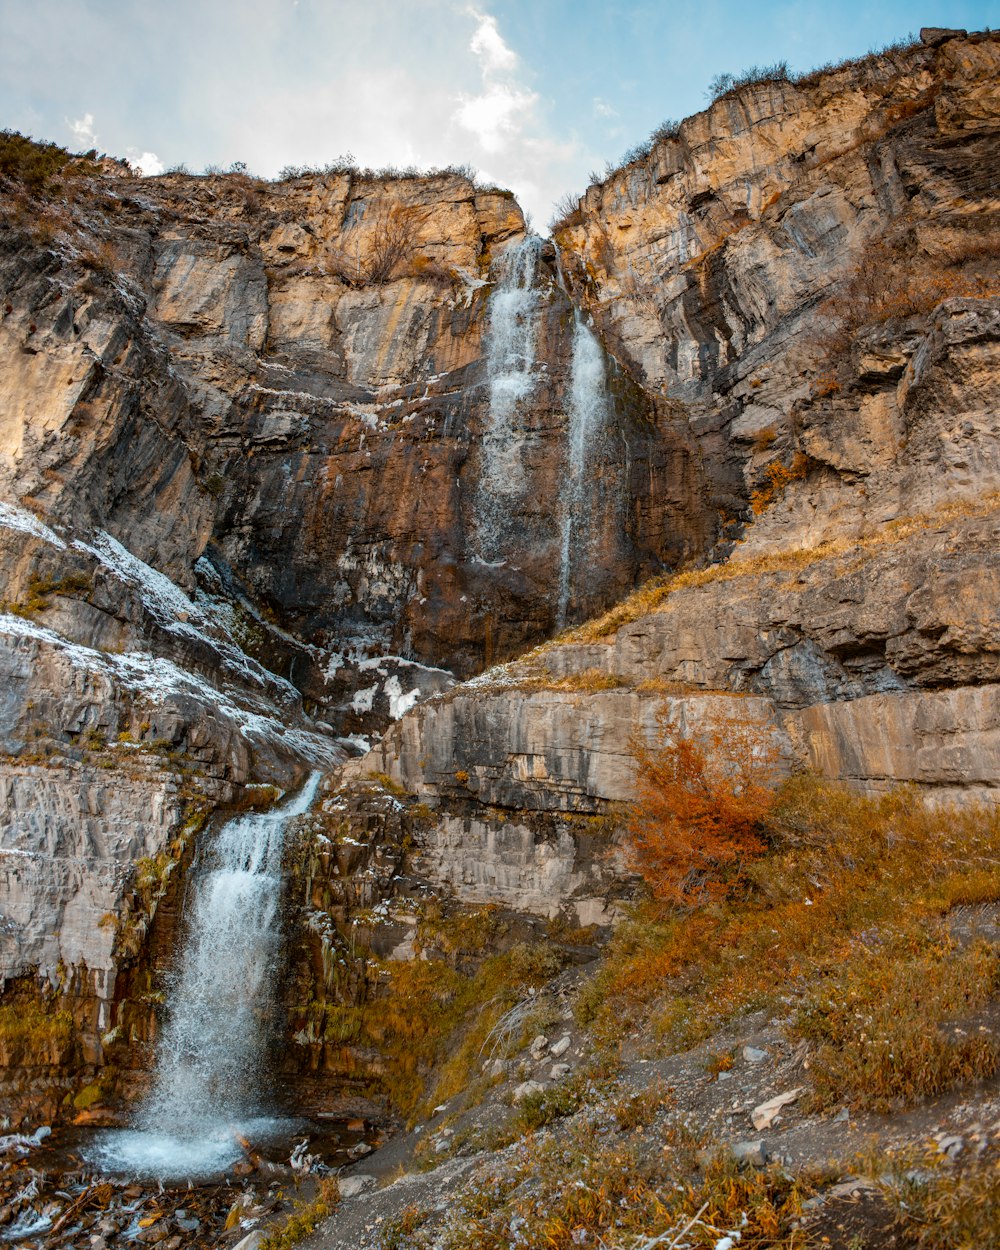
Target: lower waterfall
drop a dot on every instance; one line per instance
(210, 1076)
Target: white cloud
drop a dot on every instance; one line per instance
(430, 83)
(603, 109)
(83, 131)
(147, 163)
(504, 106)
(488, 44)
(497, 114)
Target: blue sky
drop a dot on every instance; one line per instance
(534, 93)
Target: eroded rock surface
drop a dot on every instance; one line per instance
(261, 497)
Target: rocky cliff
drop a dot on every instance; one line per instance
(247, 462)
(805, 274)
(281, 460)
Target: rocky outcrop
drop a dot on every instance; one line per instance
(806, 273)
(711, 263)
(280, 462)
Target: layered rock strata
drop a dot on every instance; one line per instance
(246, 432)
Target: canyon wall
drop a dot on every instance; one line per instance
(252, 443)
(281, 462)
(806, 273)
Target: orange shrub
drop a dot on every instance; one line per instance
(700, 806)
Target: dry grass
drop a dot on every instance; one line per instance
(951, 1208)
(587, 681)
(586, 1185)
(847, 924)
(304, 1221)
(429, 1021)
(653, 596)
(898, 276)
(881, 1023)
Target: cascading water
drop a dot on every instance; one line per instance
(587, 419)
(510, 359)
(208, 1080)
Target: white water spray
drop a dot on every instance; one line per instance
(510, 359)
(587, 418)
(209, 1076)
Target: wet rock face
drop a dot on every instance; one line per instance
(292, 381)
(374, 874)
(710, 264)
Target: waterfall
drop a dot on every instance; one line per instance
(510, 359)
(210, 1062)
(587, 418)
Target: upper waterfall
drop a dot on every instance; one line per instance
(510, 358)
(586, 424)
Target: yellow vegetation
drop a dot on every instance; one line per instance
(847, 922)
(613, 1186)
(777, 478)
(298, 1226)
(701, 800)
(34, 1026)
(430, 1021)
(653, 596)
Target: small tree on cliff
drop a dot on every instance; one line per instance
(701, 803)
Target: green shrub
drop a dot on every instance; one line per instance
(35, 164)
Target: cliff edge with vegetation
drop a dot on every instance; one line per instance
(248, 433)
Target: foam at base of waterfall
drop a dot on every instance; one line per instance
(150, 1155)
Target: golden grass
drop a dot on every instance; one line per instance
(589, 1186)
(587, 681)
(653, 596)
(429, 1021)
(950, 1208)
(304, 1221)
(841, 920)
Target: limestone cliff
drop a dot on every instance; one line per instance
(806, 274)
(245, 505)
(279, 461)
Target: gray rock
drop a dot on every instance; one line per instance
(752, 1153)
(559, 1070)
(934, 36)
(525, 1089)
(357, 1183)
(560, 1047)
(752, 1055)
(251, 1241)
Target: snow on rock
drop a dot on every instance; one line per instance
(14, 518)
(399, 703)
(364, 700)
(177, 614)
(158, 591)
(158, 679)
